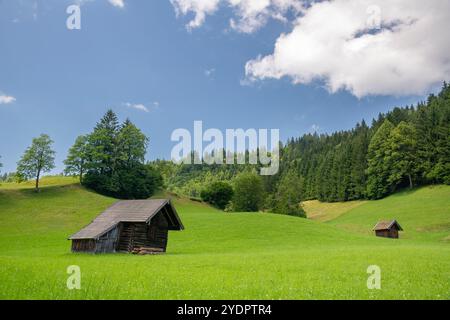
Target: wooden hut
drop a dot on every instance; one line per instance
(387, 229)
(138, 226)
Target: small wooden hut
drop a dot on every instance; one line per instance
(387, 229)
(138, 226)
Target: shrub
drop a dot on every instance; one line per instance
(248, 192)
(218, 194)
(137, 182)
(288, 196)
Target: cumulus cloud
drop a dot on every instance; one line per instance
(117, 3)
(5, 99)
(200, 8)
(368, 47)
(250, 14)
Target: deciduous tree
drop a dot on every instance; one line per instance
(402, 147)
(77, 158)
(379, 162)
(131, 144)
(289, 195)
(218, 194)
(248, 192)
(37, 159)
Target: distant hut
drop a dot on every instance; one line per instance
(387, 229)
(138, 226)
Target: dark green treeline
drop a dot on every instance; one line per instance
(406, 147)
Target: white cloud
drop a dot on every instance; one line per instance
(250, 14)
(253, 14)
(137, 106)
(200, 8)
(367, 47)
(117, 3)
(338, 43)
(5, 99)
(141, 107)
(155, 105)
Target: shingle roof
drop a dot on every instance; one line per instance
(386, 225)
(127, 211)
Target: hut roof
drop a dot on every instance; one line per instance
(386, 225)
(129, 211)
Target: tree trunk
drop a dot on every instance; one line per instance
(410, 181)
(81, 175)
(37, 180)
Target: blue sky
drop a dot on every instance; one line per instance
(61, 81)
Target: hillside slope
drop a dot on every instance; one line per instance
(327, 211)
(424, 213)
(60, 210)
(218, 256)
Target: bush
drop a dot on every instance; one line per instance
(218, 194)
(137, 182)
(248, 192)
(288, 196)
(100, 183)
(290, 210)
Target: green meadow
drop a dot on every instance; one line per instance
(228, 255)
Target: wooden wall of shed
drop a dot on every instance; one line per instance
(83, 245)
(158, 231)
(135, 235)
(108, 242)
(393, 233)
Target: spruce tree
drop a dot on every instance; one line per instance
(102, 144)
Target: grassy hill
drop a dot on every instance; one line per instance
(423, 213)
(327, 211)
(226, 255)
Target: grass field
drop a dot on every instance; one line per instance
(324, 212)
(228, 255)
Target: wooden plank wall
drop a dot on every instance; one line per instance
(134, 235)
(127, 236)
(393, 233)
(108, 242)
(83, 245)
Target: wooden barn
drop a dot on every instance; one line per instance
(387, 229)
(138, 226)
